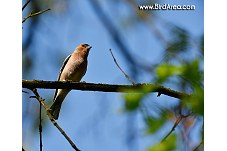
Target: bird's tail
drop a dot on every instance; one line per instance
(56, 107)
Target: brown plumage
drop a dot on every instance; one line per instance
(73, 69)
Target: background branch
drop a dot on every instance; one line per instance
(178, 120)
(34, 14)
(115, 35)
(199, 145)
(52, 119)
(140, 88)
(25, 5)
(40, 127)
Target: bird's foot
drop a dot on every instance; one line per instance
(68, 80)
(50, 111)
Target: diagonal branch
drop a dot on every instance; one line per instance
(115, 35)
(25, 5)
(138, 88)
(34, 14)
(52, 119)
(121, 68)
(198, 146)
(178, 120)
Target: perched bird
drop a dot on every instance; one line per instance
(73, 69)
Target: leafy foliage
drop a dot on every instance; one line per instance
(196, 102)
(132, 101)
(178, 44)
(154, 124)
(168, 145)
(164, 71)
(188, 76)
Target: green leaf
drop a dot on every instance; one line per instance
(196, 102)
(154, 125)
(168, 145)
(202, 45)
(165, 71)
(132, 100)
(192, 73)
(179, 43)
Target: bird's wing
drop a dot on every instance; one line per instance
(62, 68)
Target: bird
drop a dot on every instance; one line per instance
(73, 69)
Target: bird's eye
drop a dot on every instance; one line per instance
(84, 45)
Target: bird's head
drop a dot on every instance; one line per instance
(83, 48)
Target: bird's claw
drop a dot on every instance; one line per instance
(68, 80)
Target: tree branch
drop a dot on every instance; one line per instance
(114, 33)
(178, 120)
(25, 5)
(121, 68)
(138, 88)
(198, 146)
(34, 14)
(52, 119)
(40, 127)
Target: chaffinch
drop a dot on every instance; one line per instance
(73, 69)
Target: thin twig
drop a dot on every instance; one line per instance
(115, 35)
(140, 88)
(34, 14)
(24, 91)
(173, 128)
(25, 5)
(198, 146)
(178, 120)
(52, 119)
(40, 127)
(121, 69)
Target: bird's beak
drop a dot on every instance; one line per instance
(89, 47)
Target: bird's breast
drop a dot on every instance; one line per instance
(75, 70)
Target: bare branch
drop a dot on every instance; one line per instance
(34, 14)
(139, 88)
(122, 69)
(198, 146)
(24, 91)
(40, 127)
(178, 120)
(115, 35)
(25, 5)
(52, 119)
